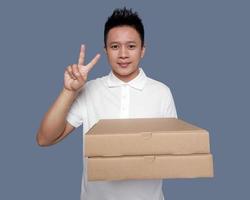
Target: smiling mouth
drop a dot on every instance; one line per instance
(124, 65)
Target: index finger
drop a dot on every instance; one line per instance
(81, 55)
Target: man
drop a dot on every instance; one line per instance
(125, 93)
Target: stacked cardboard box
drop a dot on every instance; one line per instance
(157, 148)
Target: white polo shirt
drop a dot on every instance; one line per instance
(110, 98)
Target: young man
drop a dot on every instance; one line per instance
(125, 93)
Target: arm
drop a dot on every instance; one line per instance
(54, 126)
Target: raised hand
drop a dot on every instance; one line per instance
(76, 75)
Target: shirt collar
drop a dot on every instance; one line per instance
(138, 82)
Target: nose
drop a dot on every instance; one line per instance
(123, 53)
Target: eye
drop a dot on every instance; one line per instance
(114, 46)
(131, 46)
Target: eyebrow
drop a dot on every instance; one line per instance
(120, 42)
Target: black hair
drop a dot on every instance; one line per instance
(124, 17)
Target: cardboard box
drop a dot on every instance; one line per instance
(122, 149)
(157, 136)
(150, 167)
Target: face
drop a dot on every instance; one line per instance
(124, 52)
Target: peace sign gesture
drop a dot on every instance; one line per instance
(76, 75)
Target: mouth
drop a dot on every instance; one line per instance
(124, 64)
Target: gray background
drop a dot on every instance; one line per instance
(200, 49)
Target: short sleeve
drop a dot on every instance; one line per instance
(169, 105)
(75, 115)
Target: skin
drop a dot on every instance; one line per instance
(124, 52)
(76, 75)
(54, 126)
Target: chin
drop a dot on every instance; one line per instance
(125, 71)
(125, 74)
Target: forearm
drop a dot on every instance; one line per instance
(54, 121)
(54, 126)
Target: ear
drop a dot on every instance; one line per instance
(105, 50)
(143, 51)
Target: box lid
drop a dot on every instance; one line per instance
(145, 136)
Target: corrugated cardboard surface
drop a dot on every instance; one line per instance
(157, 136)
(158, 148)
(150, 167)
